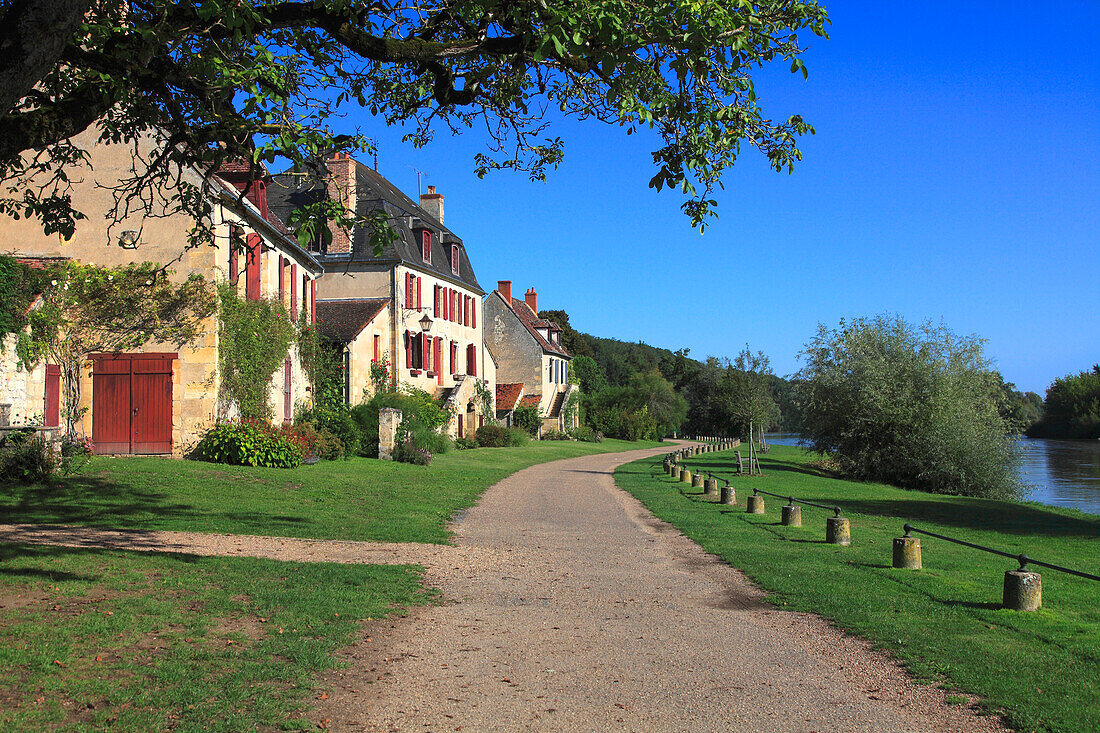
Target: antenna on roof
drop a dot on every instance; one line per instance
(419, 173)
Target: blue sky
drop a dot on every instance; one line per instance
(955, 176)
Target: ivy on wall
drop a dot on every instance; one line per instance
(88, 309)
(19, 285)
(254, 338)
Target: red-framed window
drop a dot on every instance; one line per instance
(426, 245)
(454, 259)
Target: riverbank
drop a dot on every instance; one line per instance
(944, 622)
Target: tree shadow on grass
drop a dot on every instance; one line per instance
(980, 514)
(35, 555)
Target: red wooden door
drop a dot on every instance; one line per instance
(132, 403)
(51, 412)
(150, 405)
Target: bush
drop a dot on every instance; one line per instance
(586, 434)
(527, 418)
(491, 436)
(313, 441)
(516, 437)
(914, 407)
(25, 458)
(465, 443)
(248, 444)
(555, 434)
(75, 453)
(420, 412)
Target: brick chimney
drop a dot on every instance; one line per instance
(432, 203)
(532, 299)
(504, 287)
(340, 186)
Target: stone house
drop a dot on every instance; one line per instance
(416, 305)
(161, 398)
(528, 352)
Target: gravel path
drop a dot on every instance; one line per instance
(569, 607)
(584, 612)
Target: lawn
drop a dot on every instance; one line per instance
(358, 499)
(944, 622)
(91, 640)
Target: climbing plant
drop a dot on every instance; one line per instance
(254, 338)
(88, 309)
(484, 400)
(19, 284)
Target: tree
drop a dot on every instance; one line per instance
(588, 373)
(257, 80)
(573, 341)
(1072, 407)
(913, 406)
(746, 397)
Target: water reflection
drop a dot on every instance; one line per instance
(1059, 472)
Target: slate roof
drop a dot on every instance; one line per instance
(290, 190)
(531, 320)
(344, 320)
(507, 394)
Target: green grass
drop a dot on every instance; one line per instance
(91, 640)
(359, 499)
(944, 622)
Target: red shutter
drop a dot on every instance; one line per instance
(252, 267)
(426, 245)
(437, 300)
(438, 360)
(408, 350)
(294, 292)
(473, 312)
(471, 360)
(454, 258)
(282, 279)
(377, 347)
(52, 407)
(418, 307)
(313, 301)
(424, 350)
(288, 407)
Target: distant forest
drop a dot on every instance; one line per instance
(704, 384)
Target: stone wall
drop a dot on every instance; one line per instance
(23, 391)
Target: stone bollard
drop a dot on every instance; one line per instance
(697, 481)
(838, 531)
(792, 515)
(729, 496)
(710, 487)
(676, 473)
(685, 476)
(755, 504)
(907, 553)
(1023, 590)
(389, 419)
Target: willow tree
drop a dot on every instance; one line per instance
(261, 80)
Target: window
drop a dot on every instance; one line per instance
(415, 347)
(282, 280)
(471, 360)
(454, 259)
(408, 290)
(294, 292)
(473, 312)
(426, 245)
(454, 357)
(236, 246)
(377, 347)
(438, 299)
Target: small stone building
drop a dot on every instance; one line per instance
(528, 351)
(161, 398)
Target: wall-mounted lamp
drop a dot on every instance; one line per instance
(128, 239)
(425, 323)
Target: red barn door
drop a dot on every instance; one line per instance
(132, 403)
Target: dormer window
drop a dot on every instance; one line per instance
(426, 245)
(454, 259)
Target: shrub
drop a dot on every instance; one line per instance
(248, 444)
(465, 443)
(555, 434)
(516, 437)
(491, 436)
(419, 411)
(313, 441)
(586, 434)
(75, 453)
(527, 417)
(26, 458)
(407, 452)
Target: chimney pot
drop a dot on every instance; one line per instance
(532, 300)
(432, 203)
(504, 287)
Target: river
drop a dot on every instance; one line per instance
(1062, 473)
